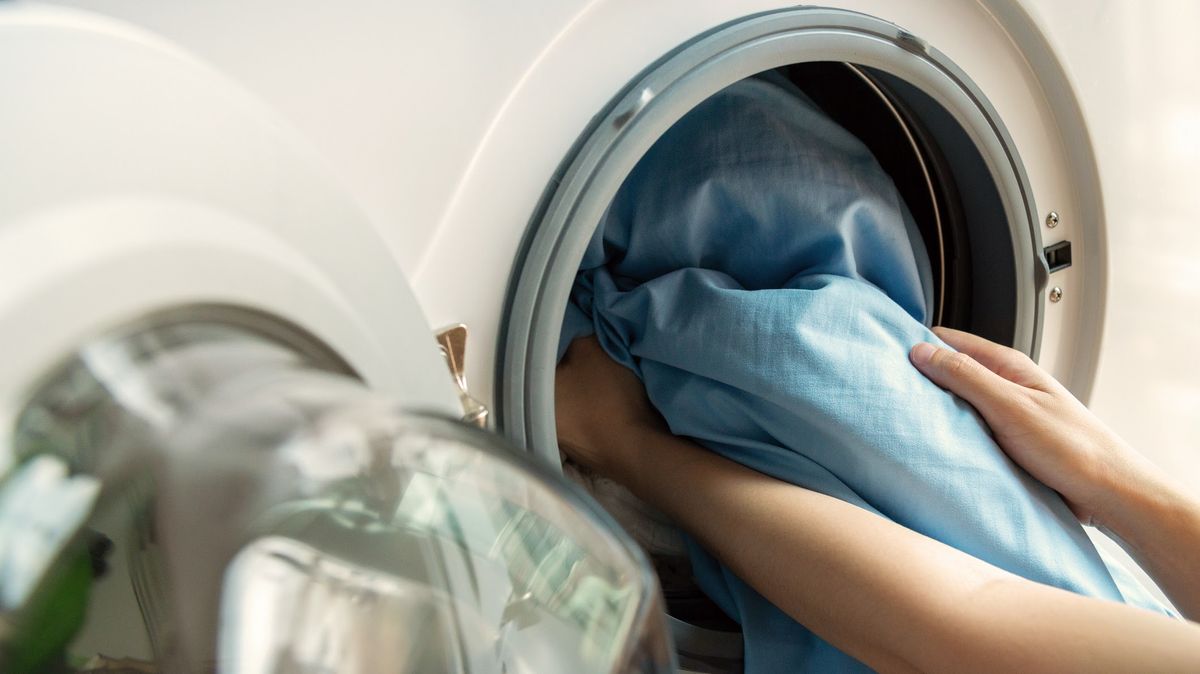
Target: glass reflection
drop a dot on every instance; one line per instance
(210, 499)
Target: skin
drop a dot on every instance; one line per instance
(866, 586)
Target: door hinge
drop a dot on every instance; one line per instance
(453, 343)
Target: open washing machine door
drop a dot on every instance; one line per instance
(228, 434)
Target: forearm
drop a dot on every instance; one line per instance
(895, 599)
(1158, 523)
(815, 557)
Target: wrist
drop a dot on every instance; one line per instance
(1143, 503)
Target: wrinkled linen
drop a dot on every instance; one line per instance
(760, 274)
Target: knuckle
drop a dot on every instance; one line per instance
(1028, 373)
(1023, 404)
(1020, 359)
(956, 364)
(1032, 407)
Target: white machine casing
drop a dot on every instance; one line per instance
(445, 121)
(393, 157)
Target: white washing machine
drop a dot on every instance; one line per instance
(325, 176)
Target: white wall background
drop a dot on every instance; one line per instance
(1136, 65)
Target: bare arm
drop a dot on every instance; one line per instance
(1053, 436)
(892, 598)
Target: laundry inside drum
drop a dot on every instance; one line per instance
(861, 103)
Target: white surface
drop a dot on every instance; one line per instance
(556, 97)
(134, 179)
(1137, 70)
(447, 121)
(395, 95)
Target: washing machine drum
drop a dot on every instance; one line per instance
(930, 129)
(868, 104)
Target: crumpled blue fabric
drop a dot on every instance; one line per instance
(757, 272)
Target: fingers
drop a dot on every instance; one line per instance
(964, 376)
(973, 345)
(1004, 361)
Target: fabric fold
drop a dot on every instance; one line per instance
(761, 275)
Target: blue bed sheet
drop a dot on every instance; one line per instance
(760, 274)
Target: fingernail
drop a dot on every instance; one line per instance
(922, 353)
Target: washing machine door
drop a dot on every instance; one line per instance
(229, 438)
(189, 495)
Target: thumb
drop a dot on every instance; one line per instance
(963, 376)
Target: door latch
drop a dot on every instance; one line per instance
(453, 343)
(1058, 255)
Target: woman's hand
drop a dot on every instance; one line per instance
(865, 581)
(604, 416)
(1038, 423)
(1035, 420)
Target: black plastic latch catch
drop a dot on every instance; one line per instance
(1058, 255)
